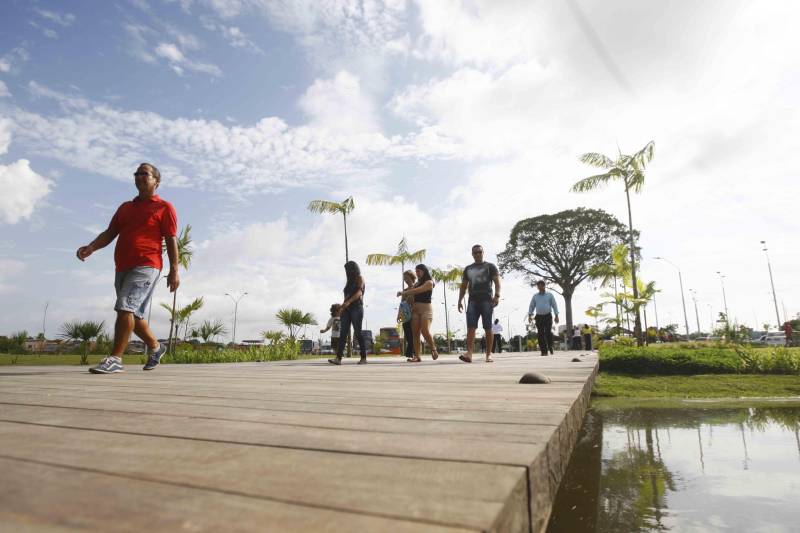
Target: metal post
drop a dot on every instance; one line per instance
(724, 298)
(772, 284)
(683, 298)
(655, 307)
(44, 321)
(235, 312)
(696, 315)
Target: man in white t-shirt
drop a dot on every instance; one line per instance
(497, 329)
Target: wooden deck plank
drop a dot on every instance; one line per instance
(387, 440)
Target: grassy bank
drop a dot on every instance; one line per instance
(696, 386)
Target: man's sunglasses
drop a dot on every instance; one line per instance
(141, 173)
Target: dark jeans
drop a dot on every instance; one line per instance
(352, 315)
(497, 344)
(408, 335)
(587, 341)
(544, 332)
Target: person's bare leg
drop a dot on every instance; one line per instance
(122, 332)
(470, 342)
(425, 328)
(489, 340)
(415, 319)
(142, 330)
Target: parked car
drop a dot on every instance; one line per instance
(773, 339)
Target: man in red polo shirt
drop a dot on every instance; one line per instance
(141, 225)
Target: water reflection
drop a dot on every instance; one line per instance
(689, 468)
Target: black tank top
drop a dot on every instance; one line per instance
(351, 289)
(423, 297)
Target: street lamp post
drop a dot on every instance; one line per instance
(772, 283)
(655, 307)
(44, 321)
(724, 298)
(696, 315)
(235, 312)
(683, 298)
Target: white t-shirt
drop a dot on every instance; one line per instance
(334, 324)
(497, 328)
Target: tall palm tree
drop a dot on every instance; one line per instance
(185, 254)
(630, 170)
(444, 277)
(402, 257)
(84, 332)
(293, 319)
(208, 330)
(343, 207)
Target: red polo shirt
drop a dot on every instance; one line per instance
(142, 226)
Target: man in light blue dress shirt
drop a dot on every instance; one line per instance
(542, 308)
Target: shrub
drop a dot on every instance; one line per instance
(695, 358)
(286, 349)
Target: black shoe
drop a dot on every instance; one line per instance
(544, 354)
(335, 361)
(362, 361)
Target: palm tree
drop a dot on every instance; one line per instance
(630, 170)
(293, 319)
(617, 268)
(185, 253)
(83, 332)
(344, 207)
(209, 330)
(402, 257)
(274, 337)
(181, 317)
(444, 277)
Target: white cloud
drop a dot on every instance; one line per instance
(24, 189)
(10, 61)
(339, 104)
(5, 134)
(144, 44)
(65, 19)
(4, 92)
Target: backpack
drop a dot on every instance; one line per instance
(405, 311)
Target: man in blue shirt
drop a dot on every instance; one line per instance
(543, 307)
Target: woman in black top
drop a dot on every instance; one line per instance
(351, 312)
(422, 312)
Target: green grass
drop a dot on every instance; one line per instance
(60, 359)
(697, 386)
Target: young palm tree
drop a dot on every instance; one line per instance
(181, 317)
(208, 330)
(274, 337)
(185, 253)
(344, 207)
(630, 170)
(294, 319)
(618, 268)
(444, 277)
(83, 332)
(402, 257)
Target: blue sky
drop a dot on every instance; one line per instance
(447, 121)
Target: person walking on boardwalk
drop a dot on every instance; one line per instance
(404, 315)
(586, 331)
(422, 312)
(141, 225)
(334, 325)
(497, 330)
(478, 278)
(543, 307)
(351, 312)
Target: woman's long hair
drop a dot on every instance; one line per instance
(353, 273)
(426, 275)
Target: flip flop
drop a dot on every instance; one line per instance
(490, 360)
(414, 360)
(435, 356)
(464, 359)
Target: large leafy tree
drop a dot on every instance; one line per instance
(344, 208)
(561, 248)
(629, 169)
(447, 277)
(401, 257)
(294, 319)
(83, 332)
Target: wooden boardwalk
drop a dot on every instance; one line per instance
(289, 446)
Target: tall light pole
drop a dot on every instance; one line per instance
(655, 306)
(772, 283)
(696, 315)
(44, 321)
(724, 298)
(235, 312)
(683, 298)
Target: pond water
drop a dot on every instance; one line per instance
(693, 466)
